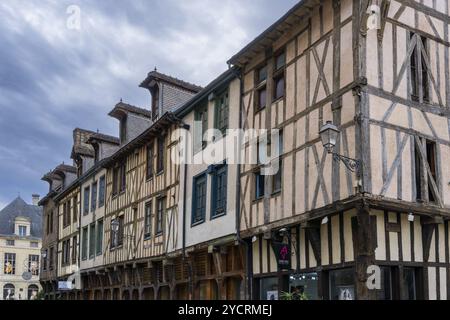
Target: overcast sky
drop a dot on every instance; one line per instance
(54, 78)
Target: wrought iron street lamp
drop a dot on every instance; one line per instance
(115, 227)
(329, 134)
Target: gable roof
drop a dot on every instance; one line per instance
(123, 108)
(19, 208)
(155, 75)
(104, 138)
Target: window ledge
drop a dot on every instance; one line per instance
(218, 216)
(276, 193)
(160, 173)
(278, 100)
(195, 224)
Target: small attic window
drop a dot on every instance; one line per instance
(123, 129)
(155, 102)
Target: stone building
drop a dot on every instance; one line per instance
(20, 250)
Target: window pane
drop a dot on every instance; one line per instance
(279, 88)
(280, 61)
(86, 200)
(262, 74)
(148, 220)
(99, 238)
(304, 286)
(409, 283)
(262, 98)
(94, 197)
(342, 285)
(101, 196)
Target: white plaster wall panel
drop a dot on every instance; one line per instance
(406, 237)
(441, 231)
(301, 85)
(376, 159)
(300, 183)
(388, 80)
(419, 122)
(401, 42)
(288, 197)
(302, 249)
(432, 293)
(443, 283)
(290, 91)
(349, 250)
(328, 16)
(378, 107)
(325, 255)
(418, 248)
(346, 9)
(348, 107)
(346, 59)
(301, 131)
(372, 56)
(406, 173)
(335, 234)
(380, 251)
(315, 24)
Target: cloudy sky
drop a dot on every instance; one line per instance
(55, 77)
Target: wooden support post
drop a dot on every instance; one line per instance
(365, 252)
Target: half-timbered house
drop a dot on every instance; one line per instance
(207, 215)
(63, 174)
(92, 213)
(142, 192)
(385, 85)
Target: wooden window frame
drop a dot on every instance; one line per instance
(201, 114)
(11, 258)
(220, 171)
(74, 249)
(148, 216)
(222, 110)
(86, 200)
(160, 157)
(102, 191)
(420, 92)
(197, 219)
(150, 155)
(258, 195)
(92, 242)
(94, 195)
(160, 216)
(99, 238)
(260, 86)
(75, 209)
(279, 74)
(84, 243)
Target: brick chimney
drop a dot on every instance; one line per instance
(35, 198)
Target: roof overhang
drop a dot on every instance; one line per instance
(297, 14)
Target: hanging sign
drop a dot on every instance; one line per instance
(283, 254)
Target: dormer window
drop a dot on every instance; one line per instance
(123, 129)
(97, 153)
(155, 102)
(22, 231)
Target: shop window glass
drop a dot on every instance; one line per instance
(342, 285)
(269, 289)
(304, 286)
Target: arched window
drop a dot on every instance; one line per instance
(8, 292)
(32, 291)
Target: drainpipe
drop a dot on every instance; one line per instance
(248, 272)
